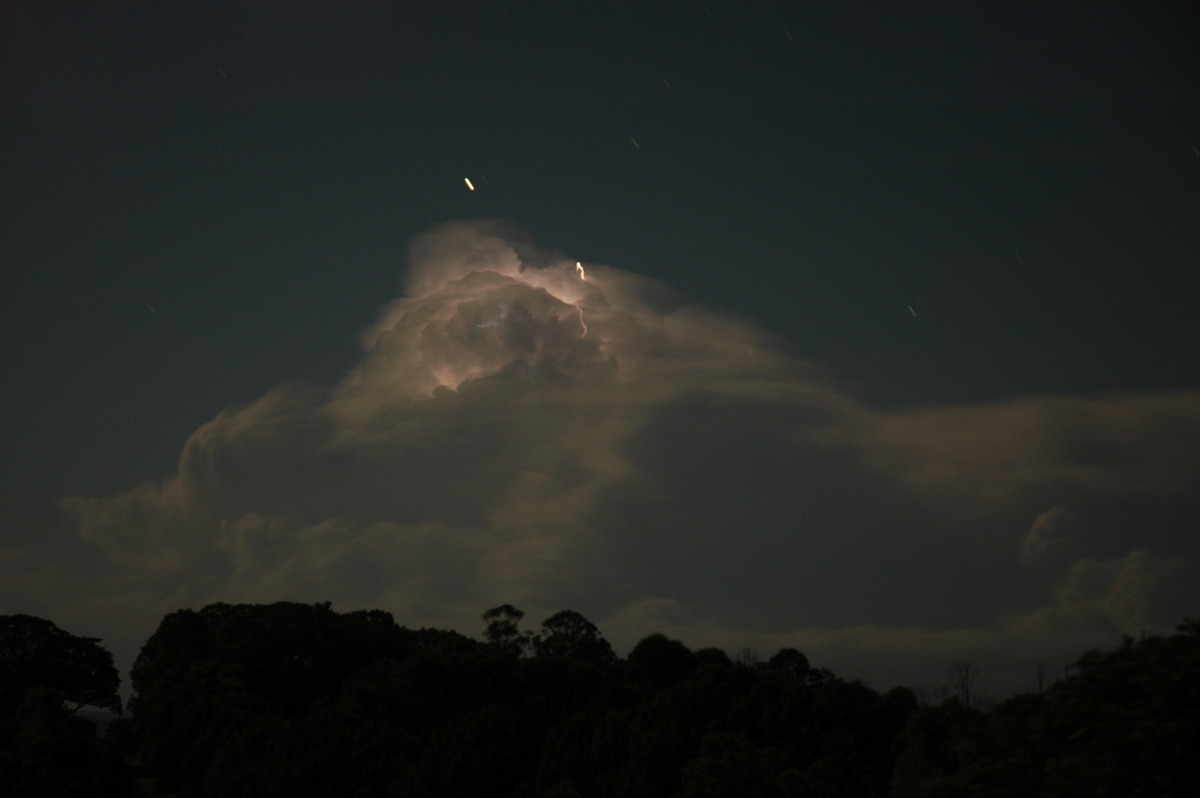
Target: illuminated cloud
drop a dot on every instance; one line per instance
(1048, 541)
(1128, 594)
(520, 431)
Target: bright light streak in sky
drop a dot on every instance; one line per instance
(582, 323)
(470, 185)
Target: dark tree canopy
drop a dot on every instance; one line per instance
(1122, 723)
(295, 699)
(46, 750)
(568, 634)
(658, 661)
(289, 653)
(36, 653)
(790, 661)
(502, 631)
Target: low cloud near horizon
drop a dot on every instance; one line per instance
(521, 430)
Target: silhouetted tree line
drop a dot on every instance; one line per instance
(292, 699)
(46, 676)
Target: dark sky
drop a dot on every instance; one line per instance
(967, 233)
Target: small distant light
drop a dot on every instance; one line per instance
(470, 185)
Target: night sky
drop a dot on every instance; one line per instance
(886, 345)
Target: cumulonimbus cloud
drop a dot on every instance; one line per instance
(526, 429)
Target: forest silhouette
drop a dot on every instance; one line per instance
(293, 699)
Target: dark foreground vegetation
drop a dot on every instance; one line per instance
(294, 700)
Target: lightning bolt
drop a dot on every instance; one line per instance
(582, 276)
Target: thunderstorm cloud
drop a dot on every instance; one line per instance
(519, 430)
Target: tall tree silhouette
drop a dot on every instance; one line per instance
(34, 652)
(502, 631)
